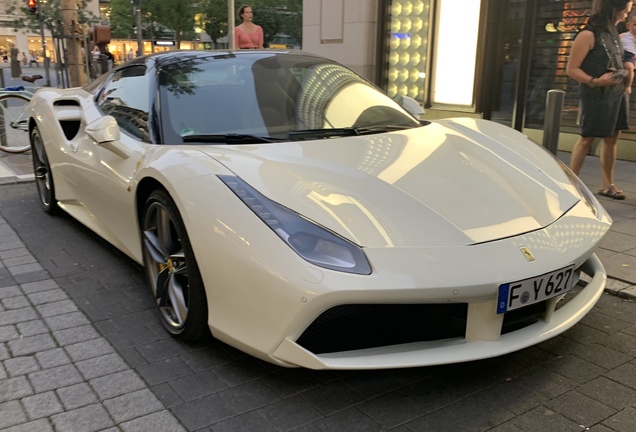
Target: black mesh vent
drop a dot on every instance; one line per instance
(354, 327)
(576, 290)
(522, 317)
(528, 315)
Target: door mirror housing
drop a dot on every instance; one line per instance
(106, 133)
(411, 105)
(104, 129)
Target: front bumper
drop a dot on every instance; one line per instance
(262, 297)
(483, 335)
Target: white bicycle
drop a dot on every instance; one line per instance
(13, 120)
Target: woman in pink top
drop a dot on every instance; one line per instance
(247, 35)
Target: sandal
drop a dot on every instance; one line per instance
(612, 192)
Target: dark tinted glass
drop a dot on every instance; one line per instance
(267, 95)
(126, 98)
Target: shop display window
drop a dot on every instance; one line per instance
(408, 47)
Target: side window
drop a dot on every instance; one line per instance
(126, 98)
(95, 86)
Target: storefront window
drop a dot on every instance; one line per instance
(557, 24)
(5, 46)
(505, 71)
(408, 49)
(456, 52)
(35, 48)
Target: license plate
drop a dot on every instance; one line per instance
(525, 292)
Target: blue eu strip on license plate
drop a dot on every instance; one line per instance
(514, 295)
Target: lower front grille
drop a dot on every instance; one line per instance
(528, 315)
(360, 326)
(576, 290)
(522, 317)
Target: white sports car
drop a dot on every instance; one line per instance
(288, 206)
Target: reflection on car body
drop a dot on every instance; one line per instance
(286, 205)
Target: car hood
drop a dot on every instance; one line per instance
(450, 183)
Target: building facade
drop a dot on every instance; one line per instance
(495, 59)
(29, 41)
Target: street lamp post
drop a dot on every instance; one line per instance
(137, 12)
(44, 55)
(35, 8)
(230, 24)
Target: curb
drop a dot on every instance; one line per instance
(620, 288)
(12, 178)
(9, 176)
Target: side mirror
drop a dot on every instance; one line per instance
(104, 129)
(105, 132)
(411, 105)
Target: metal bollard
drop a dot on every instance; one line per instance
(552, 120)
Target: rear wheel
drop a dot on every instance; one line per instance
(13, 123)
(43, 175)
(171, 269)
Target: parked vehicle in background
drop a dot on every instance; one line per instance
(283, 41)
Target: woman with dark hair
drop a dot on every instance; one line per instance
(596, 62)
(247, 35)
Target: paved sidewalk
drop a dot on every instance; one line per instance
(15, 168)
(81, 350)
(59, 374)
(618, 248)
(5, 70)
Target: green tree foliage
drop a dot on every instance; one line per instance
(50, 13)
(157, 15)
(214, 18)
(122, 20)
(177, 15)
(275, 16)
(279, 16)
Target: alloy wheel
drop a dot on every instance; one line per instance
(166, 265)
(42, 171)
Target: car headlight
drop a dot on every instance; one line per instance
(312, 242)
(584, 192)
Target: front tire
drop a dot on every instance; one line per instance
(43, 175)
(172, 271)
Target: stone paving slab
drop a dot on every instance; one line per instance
(53, 360)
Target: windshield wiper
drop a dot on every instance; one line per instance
(347, 131)
(231, 138)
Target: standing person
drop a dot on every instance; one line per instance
(24, 59)
(16, 70)
(596, 62)
(110, 58)
(96, 53)
(628, 39)
(247, 35)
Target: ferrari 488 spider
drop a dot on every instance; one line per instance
(284, 203)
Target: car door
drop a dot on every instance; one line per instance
(106, 169)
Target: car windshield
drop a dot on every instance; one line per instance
(271, 97)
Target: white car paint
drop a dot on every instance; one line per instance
(441, 212)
